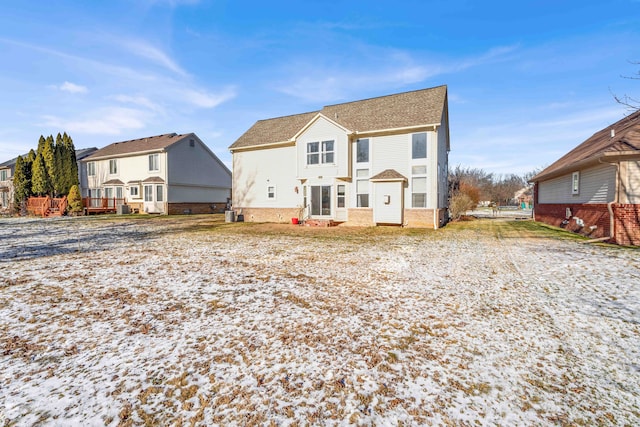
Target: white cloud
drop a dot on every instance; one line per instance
(137, 100)
(72, 88)
(387, 69)
(204, 99)
(105, 121)
(145, 50)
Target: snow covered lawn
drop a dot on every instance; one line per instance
(191, 321)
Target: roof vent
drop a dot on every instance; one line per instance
(613, 133)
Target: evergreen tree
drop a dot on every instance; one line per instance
(28, 171)
(20, 184)
(41, 143)
(40, 184)
(69, 164)
(57, 174)
(49, 157)
(31, 156)
(74, 200)
(74, 176)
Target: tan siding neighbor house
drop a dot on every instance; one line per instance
(595, 188)
(165, 174)
(376, 161)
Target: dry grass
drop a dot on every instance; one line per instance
(192, 321)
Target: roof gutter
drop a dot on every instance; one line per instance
(618, 155)
(400, 129)
(263, 146)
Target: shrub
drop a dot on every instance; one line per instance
(74, 200)
(459, 204)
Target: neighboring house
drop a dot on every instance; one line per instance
(377, 161)
(7, 170)
(82, 169)
(595, 188)
(524, 197)
(167, 174)
(6, 185)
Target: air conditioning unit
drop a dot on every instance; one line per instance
(229, 216)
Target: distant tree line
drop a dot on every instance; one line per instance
(469, 186)
(50, 170)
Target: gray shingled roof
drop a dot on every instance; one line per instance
(141, 145)
(626, 139)
(416, 108)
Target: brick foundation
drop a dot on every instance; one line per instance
(195, 208)
(357, 217)
(277, 215)
(593, 220)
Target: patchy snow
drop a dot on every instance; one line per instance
(133, 321)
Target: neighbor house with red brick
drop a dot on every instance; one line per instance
(594, 189)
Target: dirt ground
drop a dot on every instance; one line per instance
(191, 321)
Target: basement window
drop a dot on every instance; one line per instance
(575, 183)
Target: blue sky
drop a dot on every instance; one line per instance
(527, 80)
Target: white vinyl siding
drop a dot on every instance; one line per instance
(632, 183)
(597, 185)
(255, 171)
(331, 158)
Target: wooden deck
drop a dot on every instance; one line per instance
(47, 206)
(96, 205)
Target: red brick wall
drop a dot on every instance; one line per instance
(627, 224)
(595, 220)
(195, 208)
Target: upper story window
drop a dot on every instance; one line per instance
(154, 162)
(113, 166)
(271, 192)
(3, 175)
(419, 146)
(320, 152)
(91, 168)
(362, 151)
(327, 151)
(313, 156)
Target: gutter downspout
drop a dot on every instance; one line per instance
(612, 219)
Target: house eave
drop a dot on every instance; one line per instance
(123, 155)
(610, 156)
(405, 129)
(290, 142)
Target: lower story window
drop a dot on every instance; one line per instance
(340, 202)
(148, 193)
(159, 193)
(419, 192)
(271, 192)
(362, 188)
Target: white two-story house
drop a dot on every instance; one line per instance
(6, 185)
(376, 161)
(165, 174)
